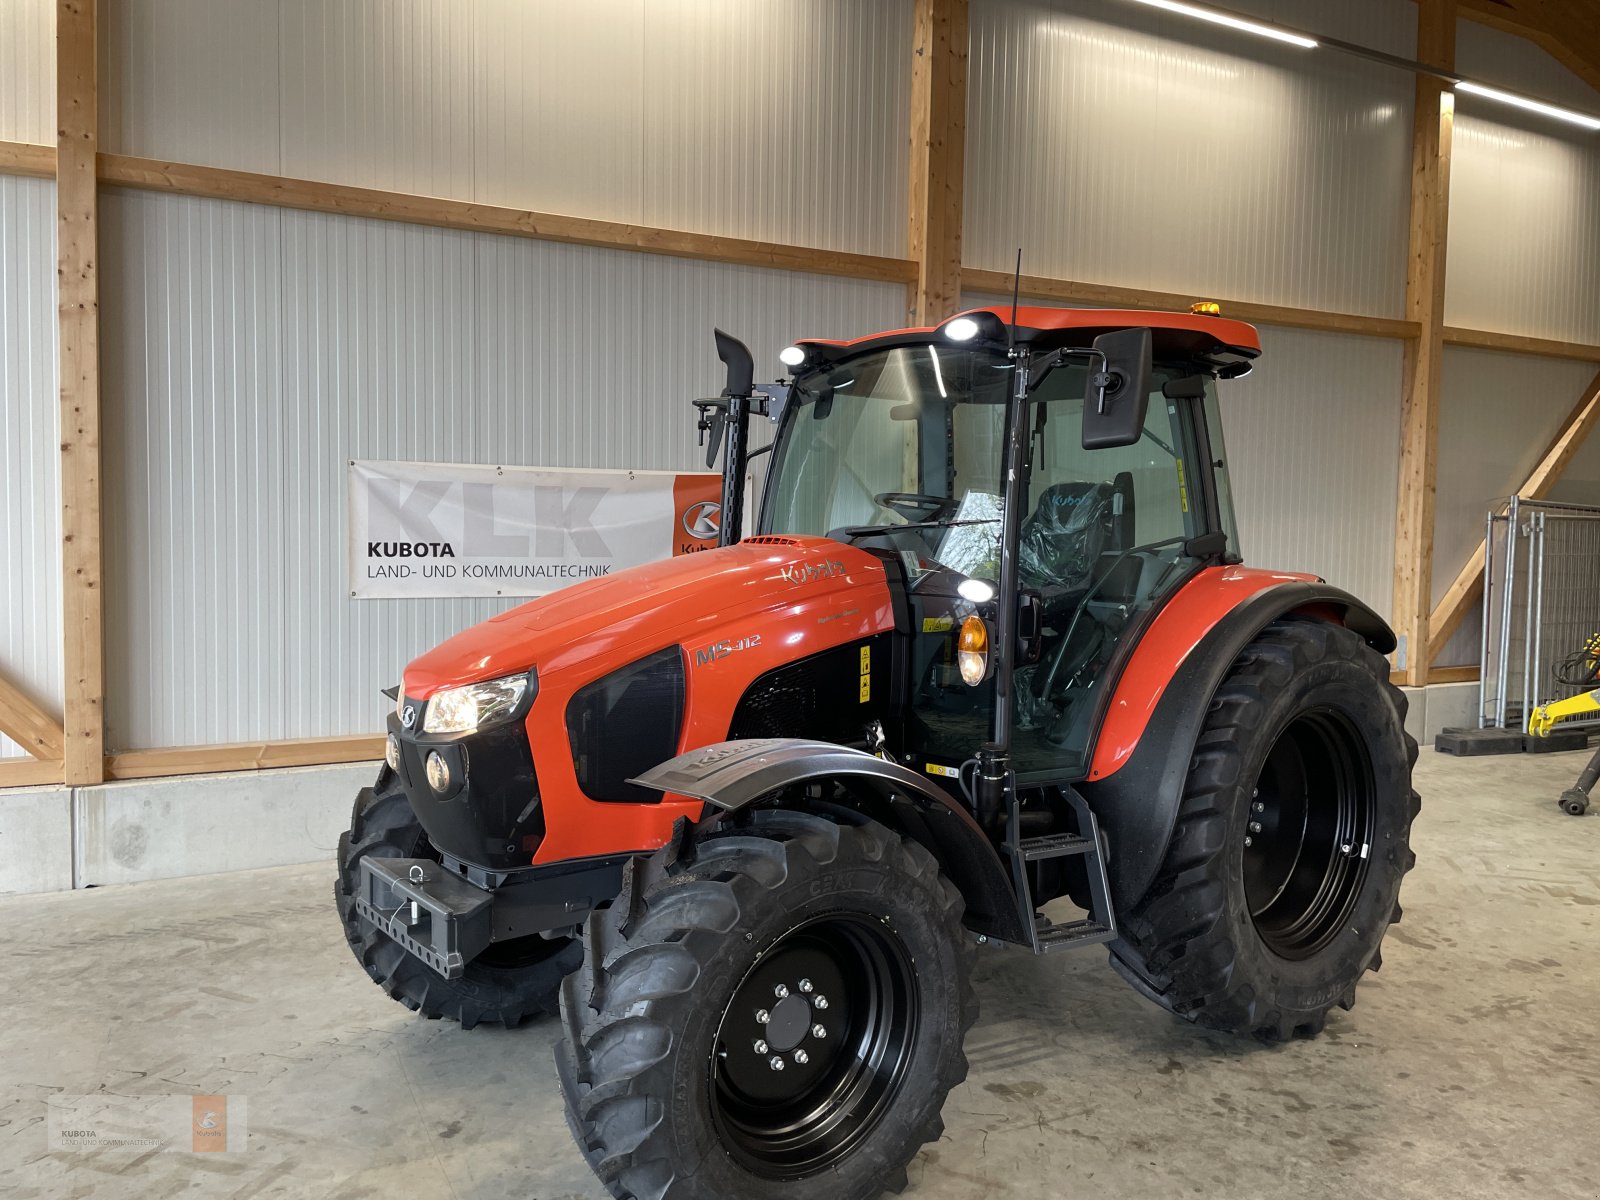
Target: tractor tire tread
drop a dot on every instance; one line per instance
(647, 951)
(1176, 944)
(382, 822)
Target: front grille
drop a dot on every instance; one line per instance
(626, 722)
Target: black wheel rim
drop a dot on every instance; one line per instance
(1308, 837)
(834, 1002)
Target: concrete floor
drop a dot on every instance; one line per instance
(1468, 1069)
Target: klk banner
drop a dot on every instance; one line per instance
(437, 529)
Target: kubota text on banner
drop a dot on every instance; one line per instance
(440, 529)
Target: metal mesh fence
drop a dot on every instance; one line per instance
(1541, 604)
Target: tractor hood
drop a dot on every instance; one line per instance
(694, 600)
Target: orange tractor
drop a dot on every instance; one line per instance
(746, 815)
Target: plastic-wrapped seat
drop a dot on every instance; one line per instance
(1063, 539)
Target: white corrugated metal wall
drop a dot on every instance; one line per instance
(27, 71)
(677, 115)
(30, 498)
(1524, 258)
(1524, 200)
(249, 351)
(30, 588)
(1118, 144)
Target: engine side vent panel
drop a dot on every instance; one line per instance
(831, 696)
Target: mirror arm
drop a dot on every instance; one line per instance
(1060, 359)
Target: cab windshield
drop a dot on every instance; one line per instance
(904, 447)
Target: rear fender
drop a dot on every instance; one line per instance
(1135, 789)
(728, 776)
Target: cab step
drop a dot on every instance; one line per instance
(1055, 845)
(1049, 938)
(1088, 843)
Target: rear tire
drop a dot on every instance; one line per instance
(1284, 868)
(509, 983)
(667, 1064)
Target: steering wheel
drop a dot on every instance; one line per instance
(915, 506)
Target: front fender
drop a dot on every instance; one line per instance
(730, 775)
(1141, 757)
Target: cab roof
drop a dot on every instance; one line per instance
(1188, 336)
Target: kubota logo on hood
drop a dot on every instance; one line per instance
(703, 520)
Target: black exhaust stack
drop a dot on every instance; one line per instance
(735, 419)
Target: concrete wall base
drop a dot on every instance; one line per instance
(1440, 706)
(35, 840)
(56, 838)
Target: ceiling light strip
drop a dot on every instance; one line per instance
(1295, 37)
(1233, 22)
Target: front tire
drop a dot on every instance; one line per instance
(1283, 872)
(508, 983)
(777, 1008)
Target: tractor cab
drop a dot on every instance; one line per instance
(906, 444)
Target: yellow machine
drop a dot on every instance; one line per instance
(1577, 670)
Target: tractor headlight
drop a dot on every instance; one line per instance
(972, 651)
(464, 709)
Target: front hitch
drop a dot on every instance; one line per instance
(436, 916)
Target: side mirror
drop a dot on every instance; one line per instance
(1119, 392)
(735, 355)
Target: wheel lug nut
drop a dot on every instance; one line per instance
(1255, 826)
(817, 1031)
(762, 1016)
(775, 1063)
(781, 990)
(1260, 807)
(801, 1057)
(761, 1047)
(820, 1001)
(1247, 841)
(805, 985)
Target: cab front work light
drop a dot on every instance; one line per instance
(972, 651)
(464, 709)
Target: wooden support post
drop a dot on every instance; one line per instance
(938, 155)
(1419, 424)
(77, 266)
(1468, 583)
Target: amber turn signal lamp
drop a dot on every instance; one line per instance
(972, 651)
